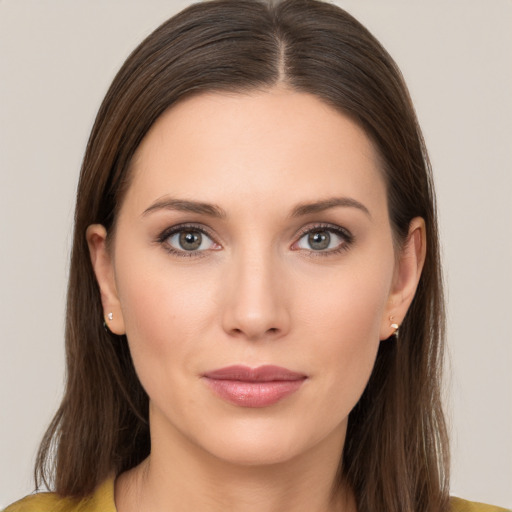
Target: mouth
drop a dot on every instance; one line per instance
(254, 387)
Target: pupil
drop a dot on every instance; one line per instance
(190, 240)
(319, 240)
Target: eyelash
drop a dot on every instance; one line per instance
(166, 234)
(343, 233)
(348, 239)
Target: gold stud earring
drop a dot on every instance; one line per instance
(109, 317)
(394, 326)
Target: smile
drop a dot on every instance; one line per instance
(253, 387)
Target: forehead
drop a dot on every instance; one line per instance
(278, 144)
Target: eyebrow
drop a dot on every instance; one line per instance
(213, 210)
(326, 204)
(183, 205)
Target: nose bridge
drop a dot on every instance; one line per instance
(255, 305)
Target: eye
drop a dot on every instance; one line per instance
(324, 239)
(183, 240)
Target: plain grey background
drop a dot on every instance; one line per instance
(57, 59)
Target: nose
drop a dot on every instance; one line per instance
(256, 306)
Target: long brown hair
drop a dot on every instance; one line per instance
(396, 452)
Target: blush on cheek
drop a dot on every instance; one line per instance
(163, 314)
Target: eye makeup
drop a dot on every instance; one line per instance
(195, 240)
(191, 237)
(320, 237)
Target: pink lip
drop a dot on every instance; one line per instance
(254, 387)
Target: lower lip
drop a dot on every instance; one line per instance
(253, 394)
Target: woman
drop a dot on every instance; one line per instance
(255, 314)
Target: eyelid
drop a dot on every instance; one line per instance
(324, 225)
(340, 231)
(177, 228)
(344, 233)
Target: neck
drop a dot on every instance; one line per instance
(180, 476)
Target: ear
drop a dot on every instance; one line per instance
(101, 259)
(406, 277)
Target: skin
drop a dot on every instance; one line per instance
(257, 292)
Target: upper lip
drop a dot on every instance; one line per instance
(266, 373)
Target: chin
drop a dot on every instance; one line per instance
(261, 442)
(255, 453)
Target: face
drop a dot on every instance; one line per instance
(254, 273)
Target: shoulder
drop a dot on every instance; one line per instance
(101, 501)
(42, 502)
(460, 505)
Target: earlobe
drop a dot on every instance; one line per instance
(406, 277)
(101, 260)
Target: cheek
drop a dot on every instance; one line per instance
(165, 310)
(350, 301)
(345, 322)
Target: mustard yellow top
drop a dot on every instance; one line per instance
(103, 501)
